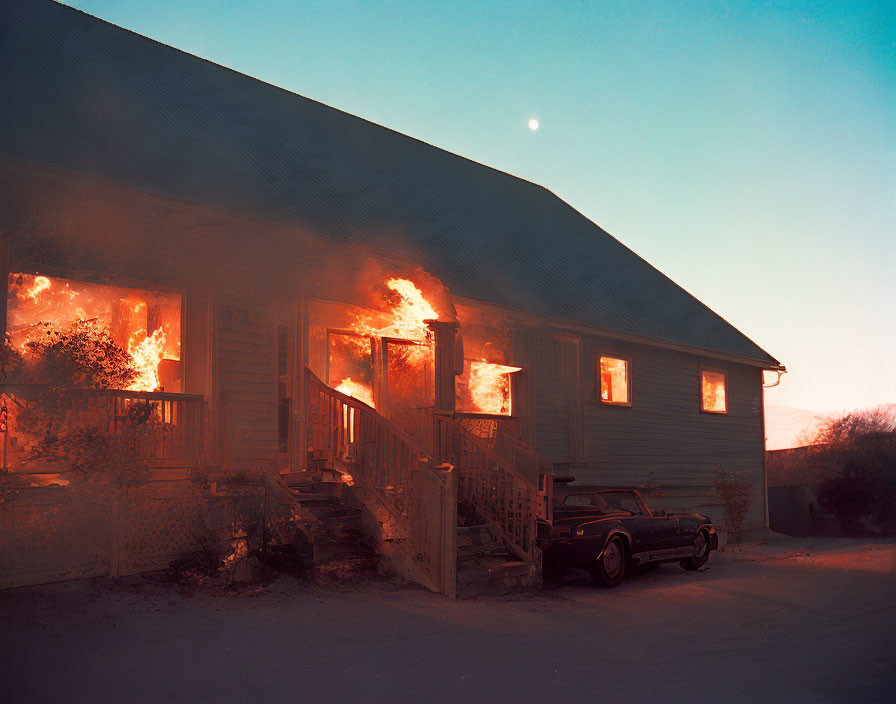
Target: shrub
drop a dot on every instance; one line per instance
(735, 496)
(857, 454)
(56, 361)
(82, 356)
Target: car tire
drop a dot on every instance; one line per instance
(701, 553)
(609, 569)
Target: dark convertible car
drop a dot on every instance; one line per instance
(606, 531)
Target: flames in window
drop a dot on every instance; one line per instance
(614, 380)
(484, 387)
(714, 392)
(144, 324)
(357, 390)
(391, 339)
(404, 308)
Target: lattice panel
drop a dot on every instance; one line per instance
(154, 529)
(54, 534)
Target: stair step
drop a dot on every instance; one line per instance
(483, 555)
(493, 547)
(340, 517)
(475, 536)
(295, 478)
(495, 575)
(313, 494)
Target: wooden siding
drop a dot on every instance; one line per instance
(662, 441)
(246, 376)
(551, 403)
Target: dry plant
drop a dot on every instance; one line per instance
(855, 454)
(734, 493)
(56, 363)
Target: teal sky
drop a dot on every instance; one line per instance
(747, 150)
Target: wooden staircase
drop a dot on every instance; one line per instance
(408, 500)
(335, 533)
(485, 565)
(408, 495)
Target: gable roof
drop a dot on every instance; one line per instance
(88, 96)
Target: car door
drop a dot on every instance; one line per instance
(658, 532)
(664, 532)
(652, 534)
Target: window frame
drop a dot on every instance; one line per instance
(510, 384)
(629, 384)
(98, 278)
(711, 370)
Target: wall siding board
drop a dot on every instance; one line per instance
(663, 441)
(246, 369)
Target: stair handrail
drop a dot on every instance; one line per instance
(351, 401)
(493, 486)
(513, 447)
(383, 459)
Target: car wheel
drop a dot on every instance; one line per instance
(609, 569)
(701, 553)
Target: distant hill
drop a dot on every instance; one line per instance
(786, 426)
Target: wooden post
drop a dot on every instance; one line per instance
(225, 423)
(445, 334)
(4, 272)
(766, 522)
(299, 395)
(118, 496)
(449, 533)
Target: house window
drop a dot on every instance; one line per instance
(350, 364)
(130, 337)
(82, 363)
(615, 381)
(484, 387)
(714, 389)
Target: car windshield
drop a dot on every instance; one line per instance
(603, 501)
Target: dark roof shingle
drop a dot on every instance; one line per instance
(85, 95)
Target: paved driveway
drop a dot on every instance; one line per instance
(790, 621)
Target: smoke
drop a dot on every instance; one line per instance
(353, 274)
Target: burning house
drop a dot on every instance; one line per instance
(221, 294)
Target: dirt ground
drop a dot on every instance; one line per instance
(786, 621)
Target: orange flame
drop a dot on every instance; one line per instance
(41, 283)
(489, 386)
(352, 388)
(714, 392)
(410, 311)
(145, 357)
(38, 301)
(407, 313)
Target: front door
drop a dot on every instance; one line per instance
(407, 392)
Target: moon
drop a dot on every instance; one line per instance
(533, 124)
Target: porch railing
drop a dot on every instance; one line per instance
(492, 485)
(420, 497)
(167, 427)
(502, 435)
